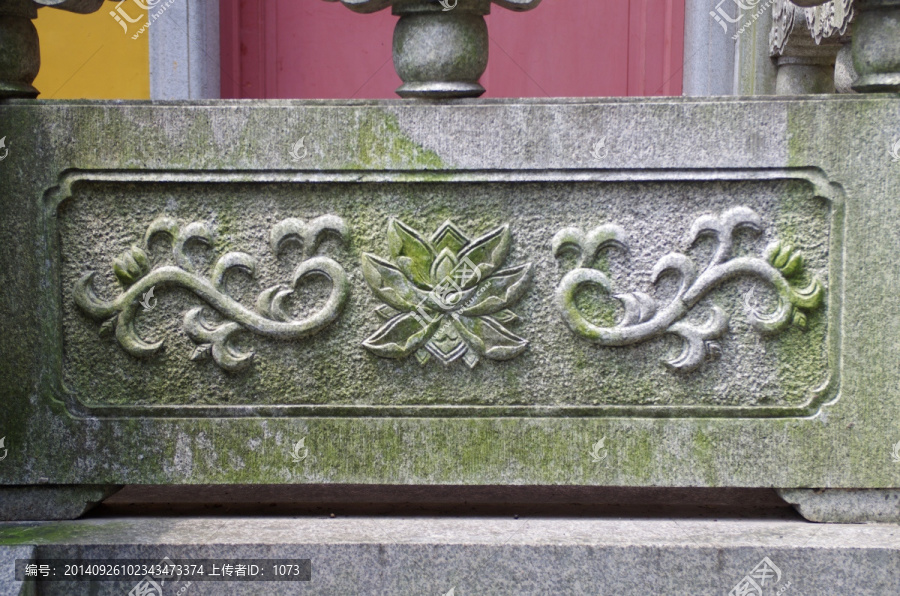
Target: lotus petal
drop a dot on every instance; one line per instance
(489, 338)
(412, 253)
(498, 292)
(443, 267)
(486, 254)
(391, 285)
(402, 335)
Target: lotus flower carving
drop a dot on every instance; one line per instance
(446, 296)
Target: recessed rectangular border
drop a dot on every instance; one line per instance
(827, 394)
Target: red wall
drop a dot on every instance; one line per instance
(563, 48)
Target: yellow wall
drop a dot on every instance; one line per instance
(89, 55)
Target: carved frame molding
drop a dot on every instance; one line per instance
(821, 188)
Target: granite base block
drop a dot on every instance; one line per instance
(525, 556)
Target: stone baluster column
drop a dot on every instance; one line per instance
(844, 72)
(876, 46)
(440, 47)
(20, 55)
(804, 66)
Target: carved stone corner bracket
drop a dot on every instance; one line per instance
(805, 41)
(20, 55)
(270, 318)
(446, 296)
(645, 318)
(807, 57)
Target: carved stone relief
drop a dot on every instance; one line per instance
(646, 318)
(139, 280)
(482, 287)
(830, 19)
(444, 296)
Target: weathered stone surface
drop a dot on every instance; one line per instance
(493, 555)
(808, 402)
(845, 505)
(50, 502)
(8, 584)
(876, 49)
(547, 359)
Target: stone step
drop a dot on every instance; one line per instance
(483, 556)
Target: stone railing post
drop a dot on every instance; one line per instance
(440, 48)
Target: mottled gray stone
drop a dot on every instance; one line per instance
(50, 502)
(802, 79)
(806, 63)
(876, 46)
(441, 56)
(8, 584)
(844, 73)
(747, 373)
(528, 556)
(845, 505)
(754, 71)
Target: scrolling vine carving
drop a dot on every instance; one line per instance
(645, 318)
(269, 318)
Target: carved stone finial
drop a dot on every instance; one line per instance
(440, 46)
(20, 54)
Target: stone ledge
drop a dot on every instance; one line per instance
(18, 503)
(365, 555)
(845, 506)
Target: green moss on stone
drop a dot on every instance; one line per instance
(637, 457)
(380, 144)
(53, 533)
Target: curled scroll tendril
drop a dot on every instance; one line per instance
(269, 319)
(645, 318)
